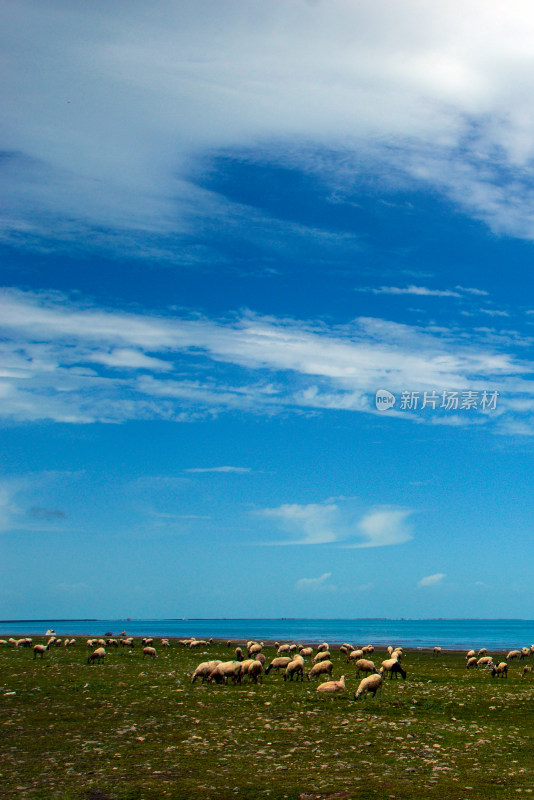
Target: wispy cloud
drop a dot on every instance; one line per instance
(314, 584)
(421, 291)
(312, 524)
(56, 363)
(384, 526)
(235, 470)
(432, 580)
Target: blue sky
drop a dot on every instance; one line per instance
(226, 226)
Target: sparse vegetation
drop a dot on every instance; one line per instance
(134, 729)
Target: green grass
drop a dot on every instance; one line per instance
(138, 730)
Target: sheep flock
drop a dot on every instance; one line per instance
(253, 661)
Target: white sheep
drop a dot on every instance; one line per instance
(482, 652)
(363, 665)
(149, 651)
(39, 649)
(254, 649)
(368, 649)
(470, 654)
(323, 647)
(332, 686)
(278, 664)
(255, 671)
(525, 652)
(225, 670)
(437, 650)
(392, 665)
(306, 652)
(471, 662)
(485, 661)
(369, 685)
(513, 654)
(324, 655)
(203, 670)
(354, 655)
(322, 668)
(500, 670)
(295, 667)
(98, 655)
(284, 648)
(526, 669)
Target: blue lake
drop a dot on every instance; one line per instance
(497, 634)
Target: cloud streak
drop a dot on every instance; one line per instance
(80, 363)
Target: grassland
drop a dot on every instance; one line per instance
(139, 730)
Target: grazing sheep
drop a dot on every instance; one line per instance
(369, 685)
(485, 661)
(295, 667)
(98, 655)
(3, 641)
(332, 686)
(284, 648)
(525, 670)
(255, 649)
(147, 641)
(239, 654)
(305, 652)
(324, 655)
(255, 671)
(392, 666)
(322, 668)
(225, 670)
(204, 669)
(101, 642)
(525, 652)
(368, 649)
(278, 664)
(149, 651)
(437, 650)
(323, 647)
(261, 658)
(482, 652)
(470, 654)
(471, 662)
(165, 643)
(354, 655)
(363, 665)
(500, 670)
(397, 654)
(39, 649)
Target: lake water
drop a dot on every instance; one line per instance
(496, 634)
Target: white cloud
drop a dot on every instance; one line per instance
(314, 584)
(422, 291)
(312, 524)
(382, 527)
(432, 580)
(235, 470)
(56, 359)
(340, 523)
(102, 123)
